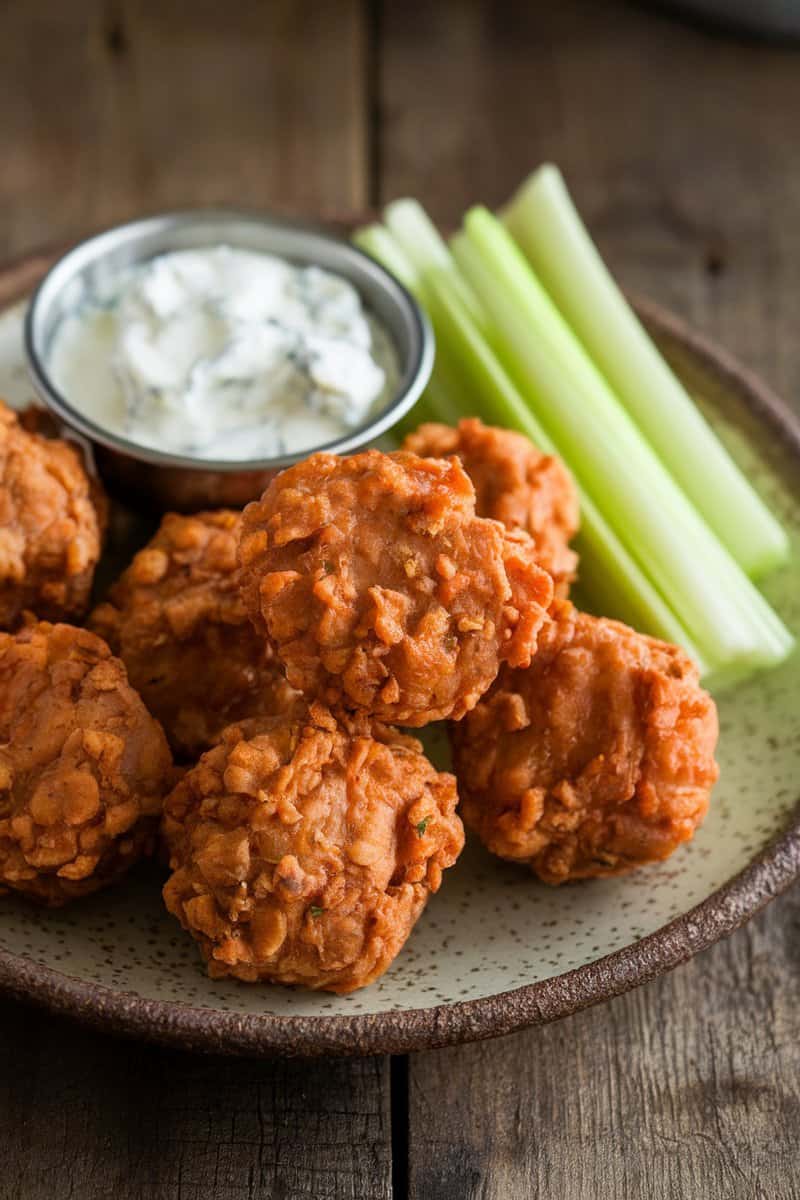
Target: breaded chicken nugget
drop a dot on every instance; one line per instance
(50, 533)
(514, 483)
(304, 848)
(382, 591)
(83, 765)
(177, 620)
(597, 759)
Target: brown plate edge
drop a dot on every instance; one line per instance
(403, 1031)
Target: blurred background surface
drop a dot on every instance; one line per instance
(770, 18)
(681, 146)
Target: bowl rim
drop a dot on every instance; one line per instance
(402, 1031)
(413, 377)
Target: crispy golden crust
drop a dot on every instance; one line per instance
(515, 484)
(382, 591)
(597, 759)
(50, 533)
(39, 420)
(83, 765)
(177, 620)
(304, 848)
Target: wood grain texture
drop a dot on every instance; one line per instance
(682, 153)
(679, 146)
(113, 108)
(688, 1088)
(91, 1117)
(108, 110)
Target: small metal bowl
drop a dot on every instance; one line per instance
(153, 478)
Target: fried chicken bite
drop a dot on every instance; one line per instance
(83, 765)
(50, 531)
(177, 620)
(35, 419)
(382, 591)
(597, 759)
(515, 484)
(304, 848)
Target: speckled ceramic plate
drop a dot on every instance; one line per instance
(495, 950)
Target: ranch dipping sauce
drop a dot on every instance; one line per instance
(220, 353)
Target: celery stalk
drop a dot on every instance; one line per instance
(466, 365)
(614, 582)
(440, 400)
(726, 616)
(622, 462)
(424, 247)
(545, 223)
(378, 243)
(444, 394)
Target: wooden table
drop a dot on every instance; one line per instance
(683, 150)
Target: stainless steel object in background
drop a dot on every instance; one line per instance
(768, 18)
(153, 478)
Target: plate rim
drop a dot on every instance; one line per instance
(401, 1031)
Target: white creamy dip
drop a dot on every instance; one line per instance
(225, 353)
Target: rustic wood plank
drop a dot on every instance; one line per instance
(533, 1112)
(110, 108)
(689, 1087)
(682, 151)
(96, 1117)
(680, 146)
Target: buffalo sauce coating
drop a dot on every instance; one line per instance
(304, 848)
(515, 484)
(597, 759)
(177, 620)
(83, 765)
(50, 528)
(382, 591)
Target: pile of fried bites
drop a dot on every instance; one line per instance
(239, 695)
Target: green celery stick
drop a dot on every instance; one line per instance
(622, 589)
(545, 223)
(423, 245)
(729, 620)
(378, 243)
(466, 365)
